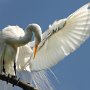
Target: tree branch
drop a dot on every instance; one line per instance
(16, 82)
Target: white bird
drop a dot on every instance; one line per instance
(62, 38)
(11, 38)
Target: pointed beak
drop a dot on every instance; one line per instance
(35, 50)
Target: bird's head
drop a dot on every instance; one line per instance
(37, 35)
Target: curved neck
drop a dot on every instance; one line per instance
(20, 41)
(26, 38)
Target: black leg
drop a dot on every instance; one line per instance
(15, 67)
(8, 78)
(4, 67)
(3, 61)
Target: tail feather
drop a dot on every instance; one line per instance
(38, 79)
(41, 80)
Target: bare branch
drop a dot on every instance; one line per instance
(16, 82)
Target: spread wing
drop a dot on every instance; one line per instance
(62, 38)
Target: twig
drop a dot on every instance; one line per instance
(16, 82)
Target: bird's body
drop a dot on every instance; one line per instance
(11, 38)
(8, 51)
(8, 57)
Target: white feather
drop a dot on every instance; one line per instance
(62, 38)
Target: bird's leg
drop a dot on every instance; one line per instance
(15, 68)
(3, 61)
(4, 67)
(8, 78)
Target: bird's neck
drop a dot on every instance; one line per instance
(20, 41)
(26, 38)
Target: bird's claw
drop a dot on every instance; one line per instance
(17, 82)
(10, 76)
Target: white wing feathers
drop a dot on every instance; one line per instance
(62, 38)
(23, 54)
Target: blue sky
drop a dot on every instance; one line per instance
(74, 71)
